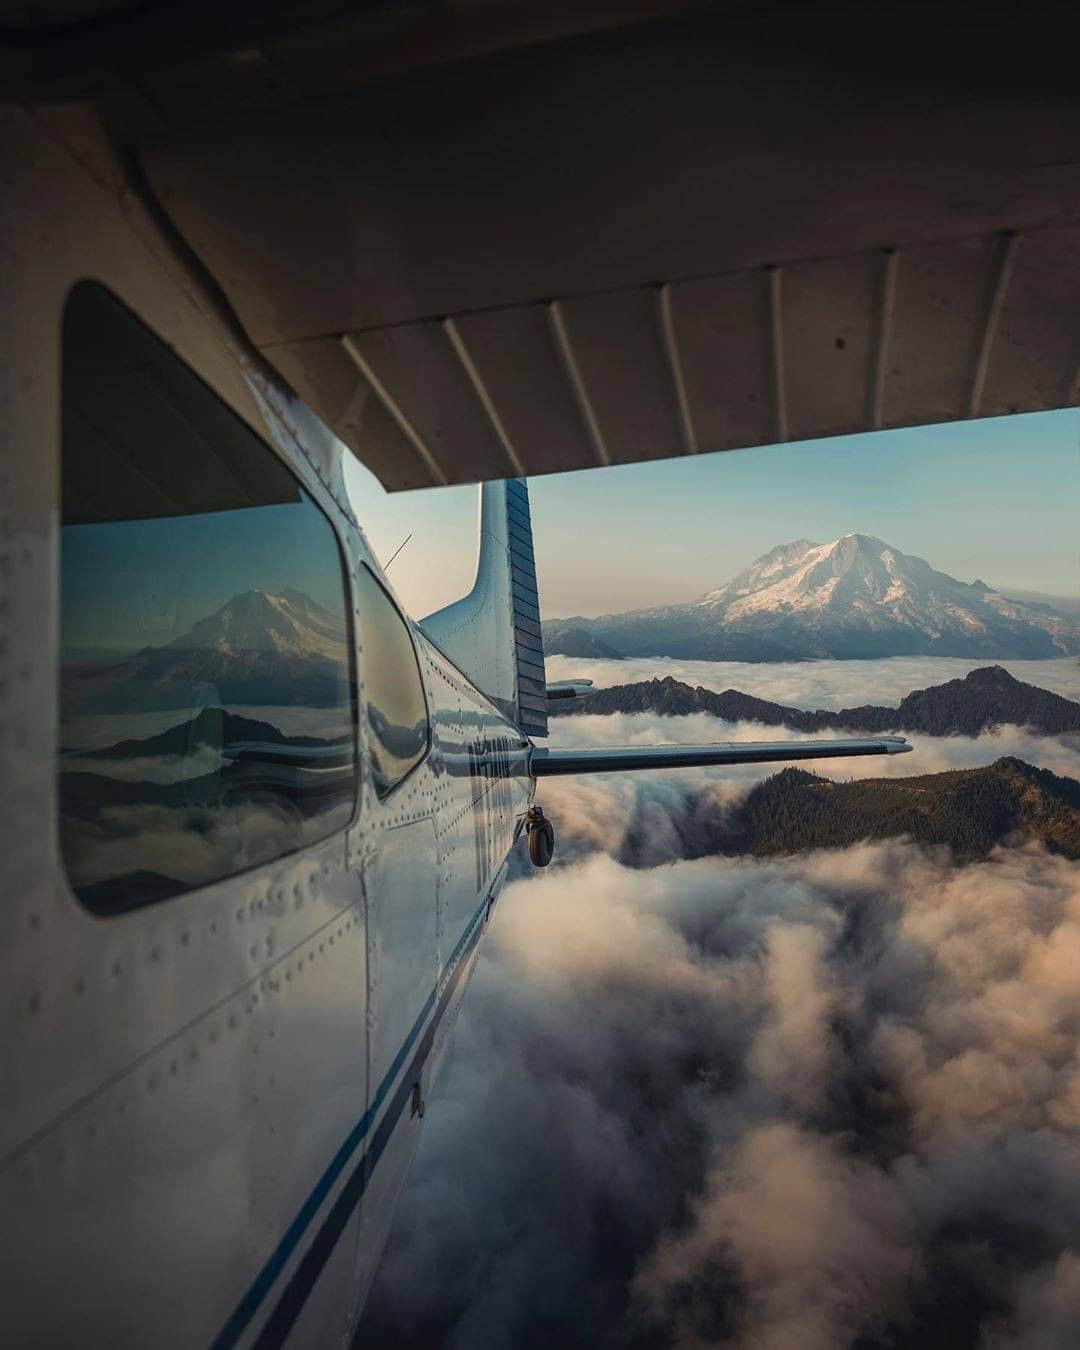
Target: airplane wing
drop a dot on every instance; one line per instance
(489, 313)
(547, 763)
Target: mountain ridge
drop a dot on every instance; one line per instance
(259, 647)
(982, 699)
(968, 811)
(856, 597)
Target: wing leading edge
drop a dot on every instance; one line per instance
(546, 763)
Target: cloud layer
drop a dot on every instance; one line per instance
(817, 684)
(790, 1104)
(809, 1102)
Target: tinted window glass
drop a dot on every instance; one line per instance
(206, 696)
(393, 688)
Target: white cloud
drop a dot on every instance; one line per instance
(750, 1103)
(193, 845)
(822, 1243)
(817, 684)
(203, 759)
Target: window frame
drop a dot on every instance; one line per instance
(313, 491)
(403, 619)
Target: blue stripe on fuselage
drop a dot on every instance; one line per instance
(303, 1279)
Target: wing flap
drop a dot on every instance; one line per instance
(547, 763)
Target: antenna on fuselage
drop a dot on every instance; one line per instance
(386, 565)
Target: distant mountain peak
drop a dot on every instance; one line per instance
(258, 648)
(286, 621)
(860, 540)
(793, 546)
(856, 596)
(996, 677)
(860, 582)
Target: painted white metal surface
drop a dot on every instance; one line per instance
(477, 632)
(199, 1093)
(839, 234)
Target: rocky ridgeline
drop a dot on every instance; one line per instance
(983, 699)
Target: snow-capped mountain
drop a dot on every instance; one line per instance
(290, 623)
(854, 597)
(260, 647)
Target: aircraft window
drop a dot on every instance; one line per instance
(207, 707)
(397, 712)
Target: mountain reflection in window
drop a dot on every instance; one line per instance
(397, 713)
(206, 693)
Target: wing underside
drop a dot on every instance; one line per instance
(548, 763)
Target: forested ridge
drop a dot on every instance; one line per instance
(969, 811)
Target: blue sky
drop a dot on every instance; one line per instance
(136, 583)
(997, 499)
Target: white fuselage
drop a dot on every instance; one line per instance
(209, 1102)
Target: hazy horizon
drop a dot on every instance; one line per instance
(994, 499)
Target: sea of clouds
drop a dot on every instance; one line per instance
(822, 1101)
(817, 684)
